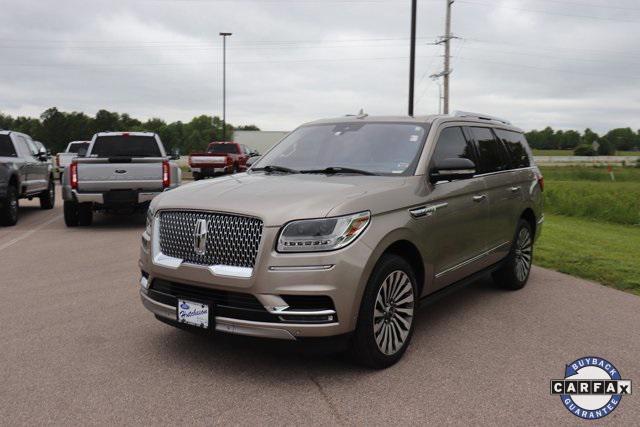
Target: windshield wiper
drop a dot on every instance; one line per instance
(274, 168)
(338, 169)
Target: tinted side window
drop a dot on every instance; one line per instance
(516, 146)
(23, 147)
(6, 147)
(493, 157)
(452, 144)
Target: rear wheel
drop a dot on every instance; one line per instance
(71, 214)
(9, 207)
(514, 273)
(385, 320)
(48, 197)
(85, 214)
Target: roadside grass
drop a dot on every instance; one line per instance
(570, 153)
(590, 173)
(603, 252)
(615, 202)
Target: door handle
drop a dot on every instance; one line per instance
(514, 189)
(479, 197)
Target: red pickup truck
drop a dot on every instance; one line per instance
(221, 157)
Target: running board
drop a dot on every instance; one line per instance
(456, 286)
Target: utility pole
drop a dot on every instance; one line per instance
(446, 73)
(447, 55)
(412, 55)
(224, 84)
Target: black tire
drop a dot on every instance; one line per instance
(373, 327)
(9, 208)
(235, 169)
(515, 270)
(196, 176)
(85, 214)
(48, 197)
(71, 217)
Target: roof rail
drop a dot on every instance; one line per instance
(480, 116)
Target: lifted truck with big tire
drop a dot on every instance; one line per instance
(25, 173)
(121, 172)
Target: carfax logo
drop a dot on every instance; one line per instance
(592, 388)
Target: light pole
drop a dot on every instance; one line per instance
(224, 84)
(412, 55)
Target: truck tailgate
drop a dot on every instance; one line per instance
(100, 176)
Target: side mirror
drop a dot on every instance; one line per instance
(452, 169)
(42, 154)
(252, 160)
(175, 154)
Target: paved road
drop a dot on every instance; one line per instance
(77, 347)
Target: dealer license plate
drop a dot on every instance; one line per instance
(193, 313)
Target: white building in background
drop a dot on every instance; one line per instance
(261, 140)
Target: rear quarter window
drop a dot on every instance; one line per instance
(125, 146)
(6, 147)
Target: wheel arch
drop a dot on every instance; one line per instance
(529, 216)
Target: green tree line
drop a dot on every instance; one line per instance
(55, 128)
(621, 139)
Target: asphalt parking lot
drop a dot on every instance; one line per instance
(78, 347)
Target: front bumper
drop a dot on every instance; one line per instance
(336, 276)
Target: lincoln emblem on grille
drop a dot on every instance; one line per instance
(200, 237)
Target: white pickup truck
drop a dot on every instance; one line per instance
(122, 171)
(74, 149)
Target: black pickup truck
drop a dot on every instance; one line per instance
(25, 173)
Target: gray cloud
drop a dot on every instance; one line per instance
(574, 66)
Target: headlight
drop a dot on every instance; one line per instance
(326, 234)
(149, 221)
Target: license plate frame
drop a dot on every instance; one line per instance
(195, 313)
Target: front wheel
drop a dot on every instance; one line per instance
(514, 273)
(196, 176)
(9, 207)
(385, 321)
(48, 197)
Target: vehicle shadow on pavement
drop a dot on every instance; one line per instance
(247, 356)
(119, 221)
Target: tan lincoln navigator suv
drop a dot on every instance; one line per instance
(342, 228)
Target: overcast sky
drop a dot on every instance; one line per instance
(567, 64)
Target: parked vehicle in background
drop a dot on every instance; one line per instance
(74, 149)
(25, 173)
(220, 158)
(341, 228)
(122, 171)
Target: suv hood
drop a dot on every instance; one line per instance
(278, 199)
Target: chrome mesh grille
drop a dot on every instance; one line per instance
(231, 239)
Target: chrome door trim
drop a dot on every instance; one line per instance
(425, 211)
(471, 260)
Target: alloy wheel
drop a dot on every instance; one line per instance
(524, 250)
(393, 312)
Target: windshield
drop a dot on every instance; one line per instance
(125, 146)
(75, 148)
(379, 148)
(223, 148)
